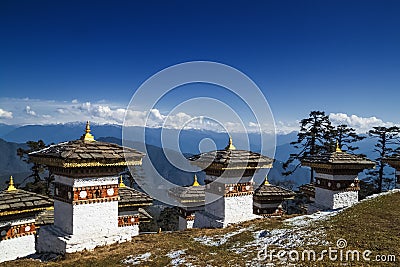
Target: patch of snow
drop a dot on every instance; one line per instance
(218, 240)
(176, 257)
(289, 238)
(306, 220)
(176, 253)
(134, 260)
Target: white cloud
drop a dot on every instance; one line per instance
(360, 124)
(29, 111)
(5, 114)
(253, 124)
(74, 101)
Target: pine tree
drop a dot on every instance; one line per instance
(37, 185)
(344, 136)
(312, 139)
(387, 137)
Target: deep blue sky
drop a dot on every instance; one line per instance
(339, 56)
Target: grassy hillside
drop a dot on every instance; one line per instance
(373, 225)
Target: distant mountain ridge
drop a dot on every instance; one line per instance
(11, 164)
(188, 139)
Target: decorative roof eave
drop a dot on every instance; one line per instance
(220, 166)
(268, 191)
(335, 166)
(272, 198)
(54, 162)
(144, 203)
(101, 164)
(192, 201)
(266, 166)
(190, 194)
(13, 212)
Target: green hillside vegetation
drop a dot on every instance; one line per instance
(373, 225)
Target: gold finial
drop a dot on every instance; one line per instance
(11, 186)
(266, 181)
(195, 182)
(230, 146)
(338, 147)
(121, 182)
(87, 136)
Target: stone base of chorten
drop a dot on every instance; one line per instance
(52, 239)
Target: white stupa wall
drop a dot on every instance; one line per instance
(86, 219)
(335, 199)
(224, 210)
(17, 247)
(95, 218)
(239, 209)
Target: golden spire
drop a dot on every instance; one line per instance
(266, 180)
(338, 147)
(230, 146)
(121, 182)
(11, 186)
(195, 182)
(87, 136)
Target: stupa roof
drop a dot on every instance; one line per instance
(231, 158)
(15, 201)
(130, 197)
(45, 217)
(267, 190)
(86, 152)
(193, 194)
(307, 189)
(338, 160)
